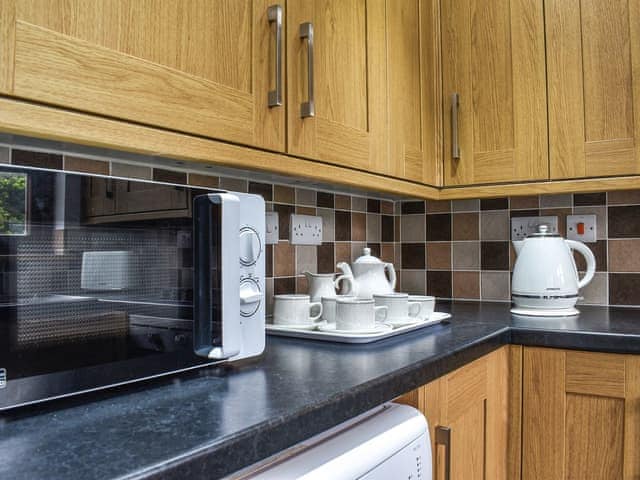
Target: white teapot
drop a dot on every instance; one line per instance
(367, 276)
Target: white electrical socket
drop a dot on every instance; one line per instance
(521, 227)
(305, 230)
(588, 224)
(271, 226)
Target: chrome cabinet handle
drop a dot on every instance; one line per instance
(308, 109)
(274, 14)
(443, 437)
(455, 145)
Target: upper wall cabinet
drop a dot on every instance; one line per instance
(494, 92)
(335, 73)
(413, 109)
(199, 66)
(593, 56)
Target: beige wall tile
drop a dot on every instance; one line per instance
(412, 228)
(495, 286)
(234, 184)
(556, 201)
(306, 259)
(5, 155)
(466, 255)
(284, 194)
(328, 223)
(343, 252)
(414, 282)
(284, 260)
(596, 292)
(305, 197)
(128, 170)
(358, 227)
(342, 202)
(495, 225)
(359, 204)
(357, 249)
(373, 227)
(472, 205)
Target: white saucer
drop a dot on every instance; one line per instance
(301, 326)
(379, 328)
(558, 312)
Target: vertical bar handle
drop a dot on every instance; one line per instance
(274, 14)
(308, 109)
(455, 144)
(443, 437)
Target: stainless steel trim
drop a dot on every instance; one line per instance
(274, 14)
(455, 144)
(443, 437)
(543, 297)
(308, 109)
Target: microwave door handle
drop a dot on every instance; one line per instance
(216, 315)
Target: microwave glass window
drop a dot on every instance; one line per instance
(13, 203)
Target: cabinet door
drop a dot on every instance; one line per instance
(581, 415)
(198, 66)
(593, 56)
(472, 406)
(339, 74)
(413, 107)
(493, 57)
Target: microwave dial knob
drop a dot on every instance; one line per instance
(250, 247)
(250, 297)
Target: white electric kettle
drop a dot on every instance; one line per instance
(545, 278)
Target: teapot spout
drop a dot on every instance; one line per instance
(517, 245)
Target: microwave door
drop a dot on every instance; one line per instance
(217, 330)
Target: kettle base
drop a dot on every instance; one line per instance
(545, 312)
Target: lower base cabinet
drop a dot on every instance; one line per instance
(469, 412)
(581, 415)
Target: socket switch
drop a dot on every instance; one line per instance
(581, 228)
(272, 231)
(305, 230)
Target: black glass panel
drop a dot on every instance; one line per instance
(93, 270)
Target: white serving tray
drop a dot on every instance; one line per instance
(434, 318)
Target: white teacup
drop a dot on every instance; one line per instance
(398, 305)
(295, 309)
(329, 307)
(427, 302)
(357, 313)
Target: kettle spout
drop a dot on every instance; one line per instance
(517, 245)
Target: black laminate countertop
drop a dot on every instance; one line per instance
(218, 420)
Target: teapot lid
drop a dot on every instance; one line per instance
(543, 230)
(367, 257)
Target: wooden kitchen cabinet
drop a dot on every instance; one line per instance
(344, 89)
(476, 404)
(412, 82)
(581, 415)
(593, 62)
(199, 66)
(493, 58)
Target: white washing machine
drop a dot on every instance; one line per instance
(390, 442)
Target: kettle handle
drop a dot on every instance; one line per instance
(391, 271)
(588, 256)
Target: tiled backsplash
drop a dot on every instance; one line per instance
(459, 249)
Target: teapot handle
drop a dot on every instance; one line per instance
(392, 275)
(349, 290)
(588, 256)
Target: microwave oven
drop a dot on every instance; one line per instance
(106, 281)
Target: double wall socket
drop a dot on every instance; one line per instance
(305, 230)
(521, 227)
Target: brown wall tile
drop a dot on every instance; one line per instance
(501, 203)
(582, 199)
(387, 253)
(413, 282)
(524, 202)
(326, 262)
(302, 285)
(599, 250)
(387, 228)
(373, 205)
(324, 199)
(386, 207)
(284, 285)
(624, 289)
(438, 206)
(412, 207)
(495, 225)
(494, 255)
(439, 283)
(305, 210)
(86, 165)
(495, 286)
(465, 226)
(358, 204)
(203, 180)
(36, 159)
(284, 219)
(343, 226)
(466, 285)
(284, 194)
(358, 227)
(169, 176)
(284, 260)
(466, 255)
(264, 189)
(624, 222)
(624, 197)
(413, 256)
(439, 227)
(439, 255)
(234, 184)
(624, 255)
(342, 202)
